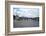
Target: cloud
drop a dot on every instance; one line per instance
(26, 12)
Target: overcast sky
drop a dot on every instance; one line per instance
(26, 12)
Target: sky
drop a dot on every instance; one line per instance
(26, 12)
